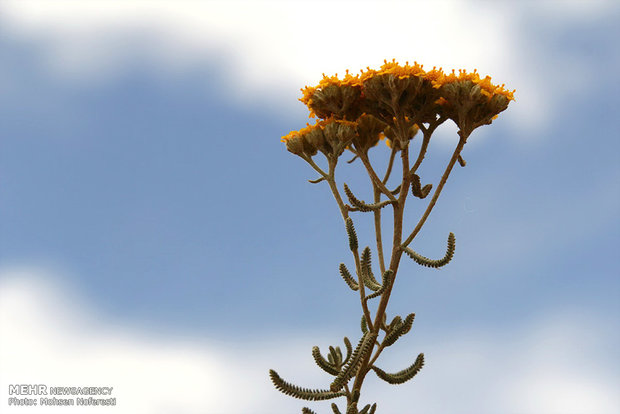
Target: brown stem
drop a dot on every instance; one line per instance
(427, 137)
(374, 178)
(394, 262)
(362, 290)
(418, 161)
(377, 198)
(377, 213)
(390, 164)
(442, 182)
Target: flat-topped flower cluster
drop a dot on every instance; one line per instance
(392, 102)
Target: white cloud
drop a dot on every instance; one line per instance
(559, 365)
(268, 46)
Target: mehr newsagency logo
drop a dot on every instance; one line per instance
(43, 395)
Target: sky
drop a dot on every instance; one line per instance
(157, 237)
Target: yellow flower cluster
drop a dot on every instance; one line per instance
(394, 98)
(330, 136)
(487, 88)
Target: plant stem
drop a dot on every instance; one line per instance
(374, 178)
(442, 182)
(377, 213)
(394, 262)
(388, 171)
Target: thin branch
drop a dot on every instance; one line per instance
(390, 164)
(375, 179)
(362, 290)
(318, 169)
(442, 182)
(375, 357)
(394, 262)
(377, 195)
(427, 136)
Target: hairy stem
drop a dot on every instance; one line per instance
(394, 262)
(377, 213)
(374, 178)
(442, 182)
(388, 171)
(427, 137)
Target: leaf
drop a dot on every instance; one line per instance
(330, 368)
(348, 279)
(302, 393)
(401, 376)
(318, 180)
(417, 189)
(387, 277)
(364, 346)
(367, 276)
(361, 205)
(363, 324)
(351, 233)
(425, 261)
(347, 343)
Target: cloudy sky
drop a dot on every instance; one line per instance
(156, 236)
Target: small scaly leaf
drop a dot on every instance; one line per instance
(417, 189)
(326, 366)
(364, 346)
(401, 376)
(361, 205)
(348, 279)
(425, 261)
(387, 277)
(366, 265)
(318, 180)
(351, 233)
(347, 343)
(363, 324)
(302, 393)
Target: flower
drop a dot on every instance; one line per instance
(330, 136)
(369, 130)
(395, 92)
(333, 97)
(297, 143)
(471, 101)
(393, 100)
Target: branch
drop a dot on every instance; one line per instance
(374, 178)
(442, 182)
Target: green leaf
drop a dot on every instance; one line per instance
(417, 189)
(387, 277)
(398, 328)
(361, 205)
(401, 376)
(302, 393)
(425, 261)
(348, 279)
(347, 343)
(363, 324)
(351, 233)
(366, 267)
(330, 368)
(364, 346)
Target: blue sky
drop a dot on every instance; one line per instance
(147, 203)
